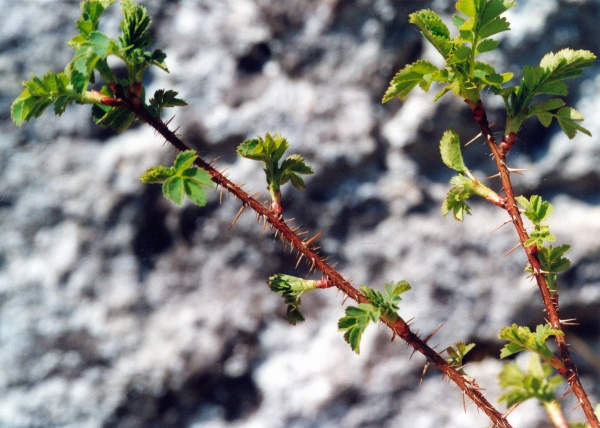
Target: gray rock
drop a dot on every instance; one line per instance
(121, 310)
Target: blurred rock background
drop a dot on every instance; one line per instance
(118, 309)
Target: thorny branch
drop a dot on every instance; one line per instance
(399, 328)
(565, 367)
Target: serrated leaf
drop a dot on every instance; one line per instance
(135, 26)
(195, 192)
(184, 160)
(91, 11)
(163, 99)
(173, 189)
(291, 288)
(495, 26)
(457, 354)
(535, 208)
(393, 290)
(39, 94)
(455, 203)
(79, 70)
(566, 63)
(291, 167)
(493, 9)
(486, 46)
(451, 152)
(434, 30)
(157, 175)
(521, 338)
(467, 7)
(418, 73)
(252, 149)
(567, 118)
(535, 382)
(116, 118)
(355, 323)
(195, 182)
(552, 260)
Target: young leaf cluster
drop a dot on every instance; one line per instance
(181, 179)
(534, 382)
(291, 288)
(538, 211)
(522, 339)
(91, 51)
(457, 353)
(547, 79)
(466, 77)
(382, 306)
(551, 258)
(270, 151)
(462, 73)
(464, 184)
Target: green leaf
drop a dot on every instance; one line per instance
(291, 288)
(174, 190)
(116, 118)
(270, 151)
(467, 7)
(539, 236)
(455, 200)
(548, 78)
(420, 73)
(495, 26)
(566, 63)
(157, 175)
(387, 302)
(567, 118)
(457, 355)
(486, 46)
(253, 149)
(79, 70)
(291, 167)
(552, 260)
(535, 208)
(91, 10)
(184, 160)
(195, 181)
(39, 94)
(521, 339)
(163, 99)
(135, 26)
(535, 382)
(355, 323)
(451, 153)
(434, 30)
(181, 179)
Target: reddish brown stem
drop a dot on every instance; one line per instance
(399, 327)
(567, 368)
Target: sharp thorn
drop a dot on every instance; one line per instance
(503, 224)
(237, 216)
(513, 249)
(311, 240)
(432, 333)
(474, 139)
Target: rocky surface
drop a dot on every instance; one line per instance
(118, 309)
